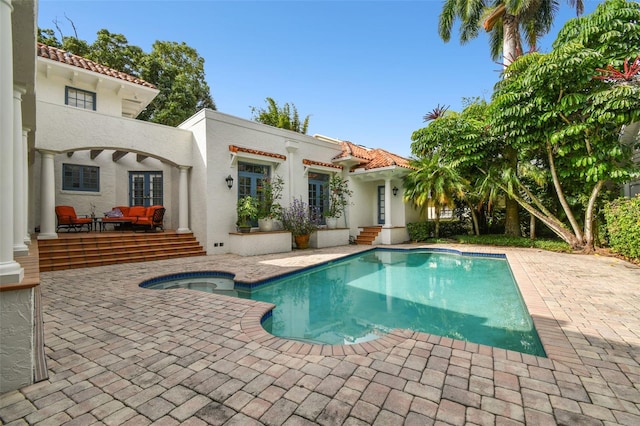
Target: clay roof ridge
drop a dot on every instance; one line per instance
(65, 57)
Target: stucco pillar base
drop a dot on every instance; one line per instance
(11, 272)
(183, 231)
(47, 236)
(20, 250)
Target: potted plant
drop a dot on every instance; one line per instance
(301, 221)
(338, 193)
(269, 210)
(247, 210)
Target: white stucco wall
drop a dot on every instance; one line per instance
(62, 128)
(52, 89)
(16, 338)
(214, 132)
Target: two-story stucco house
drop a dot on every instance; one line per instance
(90, 153)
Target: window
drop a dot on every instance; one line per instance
(80, 98)
(80, 178)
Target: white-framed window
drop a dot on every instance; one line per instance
(79, 98)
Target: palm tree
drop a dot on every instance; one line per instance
(434, 183)
(507, 21)
(533, 18)
(285, 117)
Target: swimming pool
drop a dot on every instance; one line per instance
(465, 296)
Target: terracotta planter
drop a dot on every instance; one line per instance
(302, 241)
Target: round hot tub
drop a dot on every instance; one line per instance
(207, 281)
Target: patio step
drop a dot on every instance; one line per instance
(85, 250)
(368, 235)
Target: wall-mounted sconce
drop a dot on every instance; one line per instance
(229, 181)
(395, 191)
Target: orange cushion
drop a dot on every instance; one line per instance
(137, 211)
(123, 209)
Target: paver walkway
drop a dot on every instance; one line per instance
(118, 354)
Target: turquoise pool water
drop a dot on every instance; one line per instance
(360, 298)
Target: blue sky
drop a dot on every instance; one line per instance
(365, 71)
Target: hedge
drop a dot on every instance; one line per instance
(623, 226)
(422, 231)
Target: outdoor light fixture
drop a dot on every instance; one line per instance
(395, 191)
(229, 180)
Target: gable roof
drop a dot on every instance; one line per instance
(370, 159)
(59, 55)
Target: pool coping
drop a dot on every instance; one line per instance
(555, 343)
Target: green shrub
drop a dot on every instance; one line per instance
(503, 240)
(623, 226)
(422, 231)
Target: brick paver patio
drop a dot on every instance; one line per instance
(118, 354)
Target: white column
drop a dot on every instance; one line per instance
(25, 186)
(19, 247)
(47, 197)
(387, 203)
(292, 148)
(10, 270)
(183, 201)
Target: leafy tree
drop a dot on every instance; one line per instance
(285, 117)
(174, 68)
(436, 183)
(461, 141)
(48, 37)
(565, 121)
(178, 72)
(114, 51)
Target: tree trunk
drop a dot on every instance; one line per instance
(511, 48)
(512, 218)
(474, 219)
(437, 230)
(546, 217)
(532, 227)
(560, 194)
(512, 214)
(588, 219)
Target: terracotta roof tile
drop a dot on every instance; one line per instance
(68, 58)
(318, 163)
(350, 149)
(381, 158)
(371, 158)
(234, 148)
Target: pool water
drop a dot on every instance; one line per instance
(364, 296)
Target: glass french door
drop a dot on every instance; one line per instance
(251, 179)
(319, 194)
(381, 212)
(145, 189)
